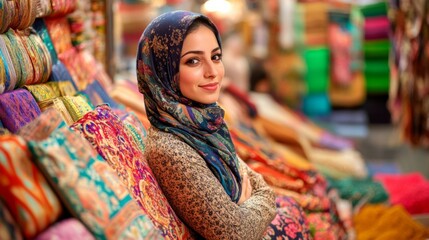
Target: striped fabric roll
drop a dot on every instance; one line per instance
(41, 29)
(13, 74)
(7, 11)
(24, 15)
(8, 76)
(20, 59)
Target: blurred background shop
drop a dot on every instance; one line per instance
(327, 99)
(351, 66)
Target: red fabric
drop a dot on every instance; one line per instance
(410, 190)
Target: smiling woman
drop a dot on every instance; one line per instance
(201, 69)
(189, 147)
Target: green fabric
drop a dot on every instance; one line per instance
(357, 190)
(317, 81)
(377, 83)
(317, 59)
(374, 9)
(376, 49)
(377, 67)
(317, 74)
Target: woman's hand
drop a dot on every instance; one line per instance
(246, 189)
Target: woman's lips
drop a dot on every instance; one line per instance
(210, 86)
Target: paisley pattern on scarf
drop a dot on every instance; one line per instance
(90, 188)
(117, 145)
(17, 108)
(25, 191)
(199, 125)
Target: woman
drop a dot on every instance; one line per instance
(189, 147)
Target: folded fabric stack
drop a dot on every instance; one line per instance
(54, 182)
(376, 47)
(316, 56)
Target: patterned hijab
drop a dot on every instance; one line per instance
(200, 125)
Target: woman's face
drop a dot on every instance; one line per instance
(201, 69)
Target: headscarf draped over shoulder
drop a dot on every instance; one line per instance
(200, 125)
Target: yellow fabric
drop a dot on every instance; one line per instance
(380, 222)
(77, 106)
(41, 92)
(60, 107)
(55, 88)
(66, 88)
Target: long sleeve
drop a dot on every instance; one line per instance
(199, 199)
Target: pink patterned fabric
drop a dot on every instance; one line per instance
(325, 226)
(409, 190)
(114, 142)
(17, 108)
(290, 221)
(39, 128)
(68, 229)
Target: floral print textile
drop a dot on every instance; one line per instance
(290, 222)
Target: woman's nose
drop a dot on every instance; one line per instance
(210, 70)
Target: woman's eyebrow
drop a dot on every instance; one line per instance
(199, 52)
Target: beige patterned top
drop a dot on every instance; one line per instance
(197, 196)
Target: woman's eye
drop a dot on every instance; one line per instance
(192, 61)
(217, 57)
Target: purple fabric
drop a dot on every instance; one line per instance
(334, 142)
(17, 108)
(65, 230)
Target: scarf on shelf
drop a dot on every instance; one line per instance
(200, 125)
